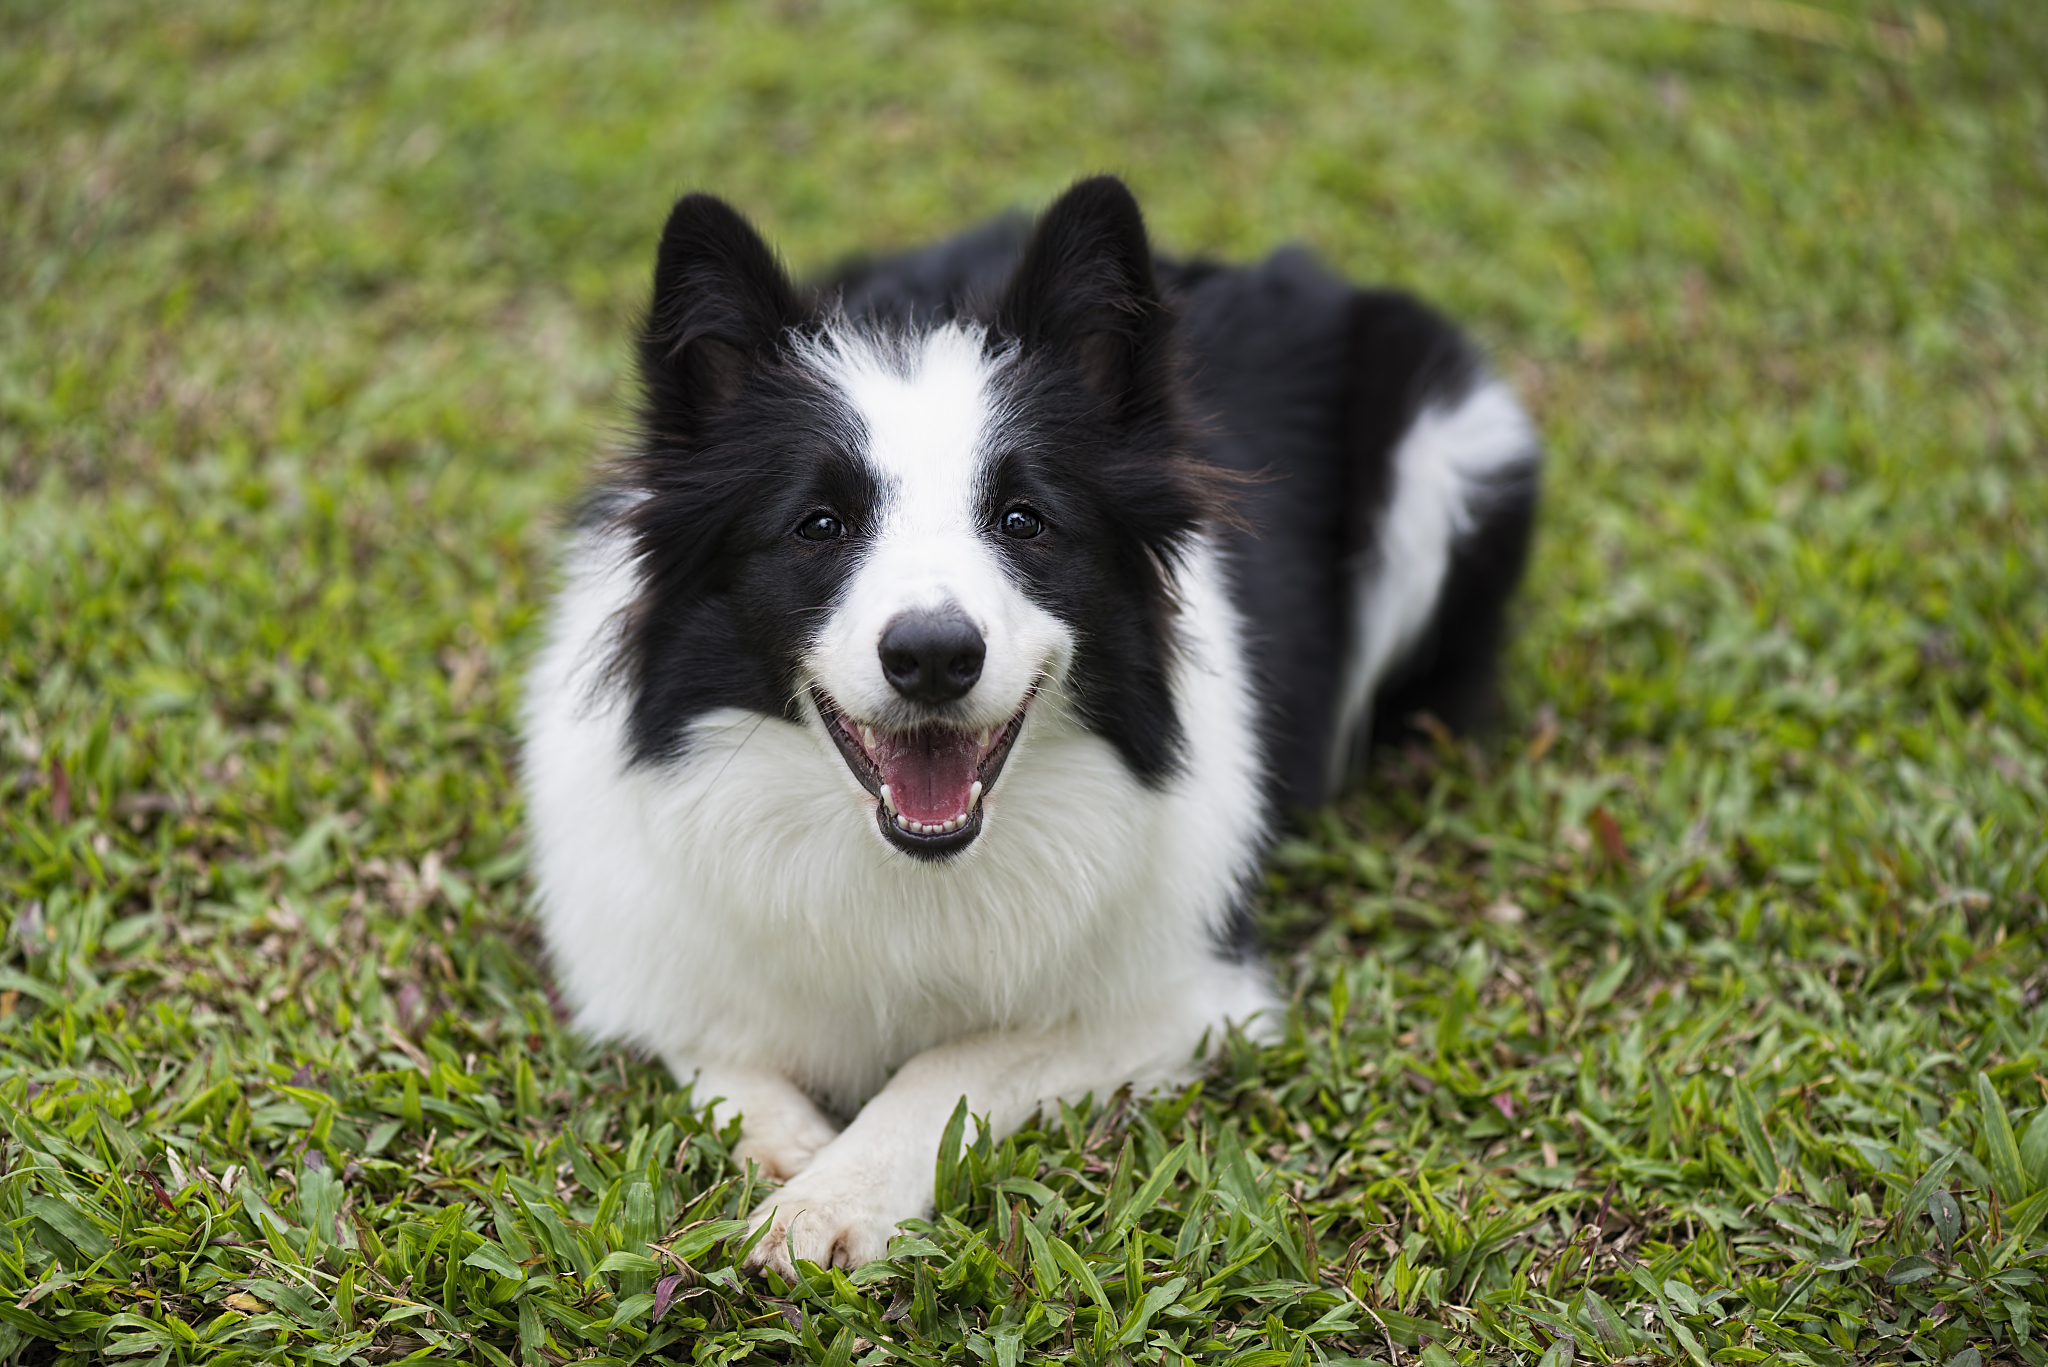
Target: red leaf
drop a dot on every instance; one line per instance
(156, 1189)
(665, 1294)
(1607, 831)
(60, 792)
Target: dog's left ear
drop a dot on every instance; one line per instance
(1084, 294)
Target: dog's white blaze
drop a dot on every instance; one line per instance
(928, 417)
(1441, 468)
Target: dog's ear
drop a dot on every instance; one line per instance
(720, 302)
(1084, 293)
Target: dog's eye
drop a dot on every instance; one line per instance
(821, 527)
(1022, 523)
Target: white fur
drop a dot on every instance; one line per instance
(739, 914)
(1441, 469)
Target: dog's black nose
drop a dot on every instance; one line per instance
(932, 656)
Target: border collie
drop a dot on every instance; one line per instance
(932, 672)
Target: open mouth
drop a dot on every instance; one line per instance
(929, 780)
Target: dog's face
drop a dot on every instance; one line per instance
(905, 537)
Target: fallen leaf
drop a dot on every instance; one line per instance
(1607, 831)
(44, 1288)
(60, 792)
(665, 1294)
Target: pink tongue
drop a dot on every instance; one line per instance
(930, 772)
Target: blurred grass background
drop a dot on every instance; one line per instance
(312, 317)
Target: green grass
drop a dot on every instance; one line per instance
(1697, 1017)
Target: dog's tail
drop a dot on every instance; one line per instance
(1444, 468)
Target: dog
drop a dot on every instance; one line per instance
(934, 667)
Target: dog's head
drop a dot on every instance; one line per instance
(905, 535)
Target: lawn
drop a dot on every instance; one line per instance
(1693, 1017)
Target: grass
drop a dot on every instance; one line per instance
(1697, 1017)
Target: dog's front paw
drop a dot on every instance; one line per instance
(782, 1150)
(825, 1219)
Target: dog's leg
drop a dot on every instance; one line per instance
(780, 1127)
(878, 1172)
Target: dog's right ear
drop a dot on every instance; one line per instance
(720, 302)
(1084, 292)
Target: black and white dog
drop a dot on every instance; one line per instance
(932, 672)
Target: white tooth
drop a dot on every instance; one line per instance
(867, 736)
(981, 737)
(974, 795)
(888, 799)
(903, 822)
